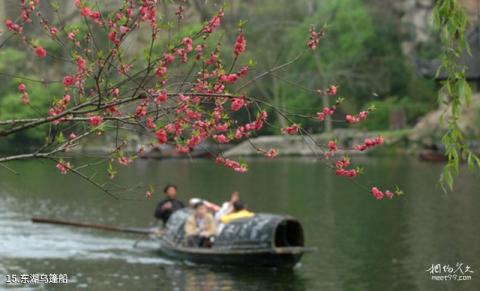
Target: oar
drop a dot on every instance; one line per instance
(145, 231)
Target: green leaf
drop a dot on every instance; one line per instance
(60, 138)
(447, 177)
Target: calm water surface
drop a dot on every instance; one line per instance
(362, 244)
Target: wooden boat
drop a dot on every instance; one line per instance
(263, 240)
(430, 155)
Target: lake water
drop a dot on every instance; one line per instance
(362, 244)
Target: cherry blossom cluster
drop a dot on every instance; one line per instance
(23, 89)
(270, 153)
(356, 118)
(63, 167)
(314, 38)
(200, 109)
(291, 129)
(240, 44)
(325, 112)
(332, 148)
(236, 166)
(341, 170)
(213, 23)
(58, 108)
(369, 143)
(379, 194)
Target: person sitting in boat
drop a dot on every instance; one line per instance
(227, 207)
(200, 227)
(211, 207)
(239, 211)
(169, 204)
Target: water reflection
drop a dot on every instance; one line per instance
(206, 278)
(362, 244)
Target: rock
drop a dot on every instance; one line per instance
(312, 145)
(426, 3)
(430, 128)
(404, 5)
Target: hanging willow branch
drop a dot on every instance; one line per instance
(451, 20)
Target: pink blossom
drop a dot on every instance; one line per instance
(222, 127)
(25, 99)
(149, 123)
(389, 194)
(115, 92)
(141, 110)
(239, 133)
(353, 119)
(161, 71)
(21, 87)
(124, 29)
(199, 51)
(332, 90)
(221, 138)
(95, 120)
(161, 135)
(161, 97)
(66, 99)
(68, 81)
(12, 26)
(332, 145)
(123, 160)
(243, 71)
(63, 167)
(213, 23)
(194, 141)
(182, 149)
(343, 163)
(81, 64)
(187, 42)
(369, 143)
(41, 52)
(192, 114)
(325, 112)
(168, 58)
(377, 193)
(183, 98)
(237, 104)
(240, 44)
(148, 194)
(291, 130)
(314, 38)
(320, 116)
(85, 11)
(230, 78)
(346, 173)
(271, 153)
(72, 136)
(363, 115)
(170, 128)
(112, 36)
(53, 31)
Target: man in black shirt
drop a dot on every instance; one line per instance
(168, 205)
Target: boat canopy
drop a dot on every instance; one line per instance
(260, 231)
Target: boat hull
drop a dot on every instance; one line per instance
(275, 257)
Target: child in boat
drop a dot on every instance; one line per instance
(200, 227)
(239, 211)
(227, 207)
